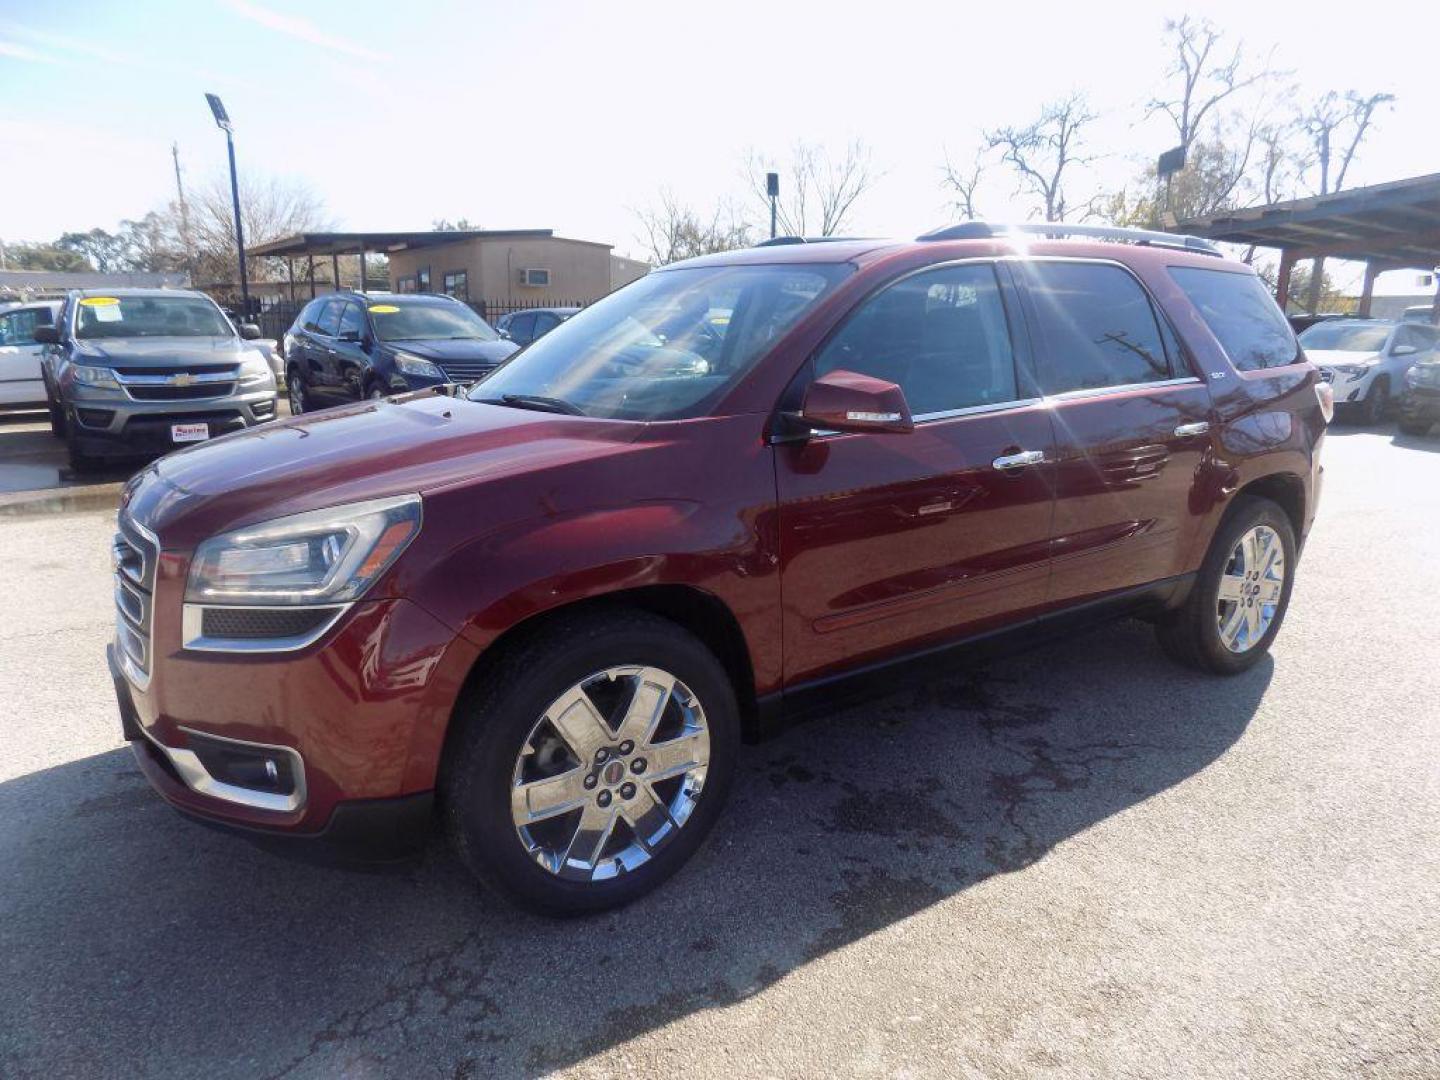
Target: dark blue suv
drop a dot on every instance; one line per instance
(350, 346)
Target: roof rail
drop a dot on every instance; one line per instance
(984, 230)
(781, 241)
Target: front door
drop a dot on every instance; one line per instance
(20, 381)
(892, 542)
(1132, 429)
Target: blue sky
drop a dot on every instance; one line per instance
(571, 115)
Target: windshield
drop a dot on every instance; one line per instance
(665, 347)
(149, 316)
(420, 320)
(1345, 337)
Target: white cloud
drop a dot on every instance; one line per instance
(303, 29)
(21, 52)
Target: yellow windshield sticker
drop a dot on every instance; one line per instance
(99, 301)
(383, 309)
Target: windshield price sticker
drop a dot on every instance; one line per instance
(383, 309)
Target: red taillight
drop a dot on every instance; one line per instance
(1326, 395)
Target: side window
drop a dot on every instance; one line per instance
(18, 327)
(329, 321)
(1242, 315)
(353, 319)
(522, 328)
(940, 335)
(422, 279)
(1098, 327)
(310, 317)
(545, 321)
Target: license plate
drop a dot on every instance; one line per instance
(189, 432)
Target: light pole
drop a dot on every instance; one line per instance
(222, 121)
(772, 188)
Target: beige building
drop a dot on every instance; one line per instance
(530, 266)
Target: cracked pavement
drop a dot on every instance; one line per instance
(1076, 861)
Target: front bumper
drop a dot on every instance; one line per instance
(114, 426)
(358, 719)
(1420, 403)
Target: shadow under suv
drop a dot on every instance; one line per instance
(551, 607)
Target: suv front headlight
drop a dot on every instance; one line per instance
(410, 364)
(326, 556)
(255, 370)
(101, 378)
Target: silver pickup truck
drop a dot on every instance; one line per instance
(138, 372)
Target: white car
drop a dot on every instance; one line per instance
(1365, 360)
(21, 383)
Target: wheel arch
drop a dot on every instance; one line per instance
(1284, 489)
(701, 613)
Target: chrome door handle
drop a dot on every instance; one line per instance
(1006, 462)
(1186, 430)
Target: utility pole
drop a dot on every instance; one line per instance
(184, 215)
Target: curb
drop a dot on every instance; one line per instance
(61, 500)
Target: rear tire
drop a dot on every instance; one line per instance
(1195, 633)
(504, 728)
(57, 417)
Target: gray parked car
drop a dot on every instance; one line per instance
(135, 372)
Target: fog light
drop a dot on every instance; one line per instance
(258, 768)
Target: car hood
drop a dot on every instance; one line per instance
(1331, 357)
(463, 349)
(161, 351)
(414, 443)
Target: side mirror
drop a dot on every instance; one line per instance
(351, 337)
(249, 331)
(1398, 350)
(849, 401)
(47, 335)
(504, 335)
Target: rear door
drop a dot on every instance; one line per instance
(522, 327)
(890, 542)
(1132, 427)
(20, 380)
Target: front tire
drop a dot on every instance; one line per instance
(591, 761)
(1239, 598)
(57, 417)
(296, 393)
(1377, 400)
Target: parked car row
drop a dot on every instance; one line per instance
(1366, 361)
(551, 606)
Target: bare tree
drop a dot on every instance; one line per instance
(270, 208)
(1041, 152)
(1206, 73)
(674, 232)
(1339, 121)
(965, 183)
(818, 191)
(1336, 122)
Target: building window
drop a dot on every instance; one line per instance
(405, 285)
(457, 285)
(422, 279)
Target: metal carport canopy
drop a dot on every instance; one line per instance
(353, 243)
(1392, 226)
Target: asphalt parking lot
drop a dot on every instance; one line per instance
(1079, 861)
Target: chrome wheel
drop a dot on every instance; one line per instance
(1250, 589)
(610, 773)
(296, 393)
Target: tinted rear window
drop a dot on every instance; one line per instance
(1098, 326)
(1242, 316)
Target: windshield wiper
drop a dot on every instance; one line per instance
(536, 402)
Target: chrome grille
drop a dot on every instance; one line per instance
(466, 371)
(178, 384)
(134, 554)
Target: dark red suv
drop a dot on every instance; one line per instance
(551, 608)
